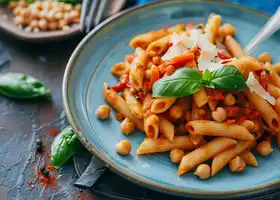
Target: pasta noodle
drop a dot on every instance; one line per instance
(234, 47)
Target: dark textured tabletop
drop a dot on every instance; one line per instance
(21, 122)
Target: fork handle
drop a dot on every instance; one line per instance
(271, 26)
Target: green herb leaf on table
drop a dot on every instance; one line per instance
(73, 2)
(228, 78)
(183, 82)
(186, 81)
(64, 146)
(17, 85)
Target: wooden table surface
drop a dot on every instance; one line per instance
(21, 122)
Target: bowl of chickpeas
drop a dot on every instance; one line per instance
(45, 20)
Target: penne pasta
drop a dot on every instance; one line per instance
(211, 128)
(268, 113)
(137, 69)
(204, 153)
(274, 77)
(120, 69)
(200, 97)
(212, 27)
(273, 90)
(159, 47)
(276, 67)
(151, 126)
(119, 104)
(161, 104)
(246, 64)
(149, 146)
(249, 158)
(223, 158)
(143, 40)
(134, 105)
(234, 47)
(166, 128)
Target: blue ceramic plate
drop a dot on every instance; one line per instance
(89, 67)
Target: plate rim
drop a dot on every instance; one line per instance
(126, 173)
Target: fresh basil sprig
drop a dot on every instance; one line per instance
(186, 81)
(17, 85)
(64, 146)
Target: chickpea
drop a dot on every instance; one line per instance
(127, 126)
(203, 171)
(226, 29)
(28, 29)
(53, 25)
(58, 15)
(67, 17)
(264, 148)
(19, 20)
(176, 112)
(65, 28)
(43, 14)
(219, 114)
(50, 16)
(123, 147)
(202, 112)
(103, 112)
(76, 20)
(229, 100)
(237, 164)
(78, 7)
(176, 155)
(248, 124)
(35, 13)
(43, 24)
(36, 30)
(16, 11)
(34, 23)
(22, 4)
(156, 60)
(25, 12)
(68, 7)
(62, 23)
(13, 4)
(37, 5)
(46, 5)
(265, 57)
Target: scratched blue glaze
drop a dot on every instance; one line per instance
(90, 66)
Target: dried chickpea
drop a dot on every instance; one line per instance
(50, 16)
(123, 147)
(46, 5)
(22, 4)
(265, 57)
(103, 112)
(119, 116)
(13, 4)
(219, 114)
(264, 148)
(203, 171)
(19, 20)
(68, 7)
(237, 164)
(76, 20)
(176, 155)
(176, 112)
(226, 29)
(229, 100)
(37, 5)
(248, 124)
(16, 11)
(127, 126)
(34, 23)
(53, 25)
(43, 24)
(65, 27)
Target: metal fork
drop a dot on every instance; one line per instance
(91, 14)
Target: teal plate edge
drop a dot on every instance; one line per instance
(248, 192)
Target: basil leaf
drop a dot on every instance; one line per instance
(64, 146)
(207, 76)
(183, 82)
(228, 78)
(17, 85)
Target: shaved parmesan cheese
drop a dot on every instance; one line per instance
(175, 50)
(185, 40)
(256, 87)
